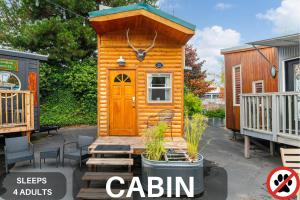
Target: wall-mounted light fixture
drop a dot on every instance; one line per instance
(121, 61)
(273, 71)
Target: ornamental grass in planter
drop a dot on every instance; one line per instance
(194, 129)
(159, 162)
(154, 141)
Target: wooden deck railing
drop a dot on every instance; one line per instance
(17, 111)
(274, 114)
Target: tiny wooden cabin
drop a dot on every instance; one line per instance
(19, 91)
(140, 68)
(246, 71)
(262, 83)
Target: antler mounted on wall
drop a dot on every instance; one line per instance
(140, 53)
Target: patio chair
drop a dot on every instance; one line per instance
(291, 158)
(80, 151)
(18, 149)
(166, 116)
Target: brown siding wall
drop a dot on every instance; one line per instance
(254, 67)
(113, 45)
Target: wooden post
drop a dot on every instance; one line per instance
(92, 168)
(31, 110)
(272, 148)
(27, 110)
(28, 134)
(275, 117)
(247, 146)
(242, 113)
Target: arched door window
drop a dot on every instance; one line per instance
(122, 78)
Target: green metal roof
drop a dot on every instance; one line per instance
(140, 6)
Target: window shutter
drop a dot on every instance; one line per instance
(258, 87)
(237, 84)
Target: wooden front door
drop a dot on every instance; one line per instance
(122, 112)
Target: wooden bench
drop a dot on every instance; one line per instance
(98, 193)
(291, 158)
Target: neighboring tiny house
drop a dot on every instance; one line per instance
(262, 81)
(246, 71)
(140, 68)
(19, 91)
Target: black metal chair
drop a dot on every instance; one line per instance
(80, 151)
(18, 149)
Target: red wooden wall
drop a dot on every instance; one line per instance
(254, 67)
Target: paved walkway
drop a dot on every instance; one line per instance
(224, 161)
(246, 177)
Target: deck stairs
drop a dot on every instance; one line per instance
(105, 158)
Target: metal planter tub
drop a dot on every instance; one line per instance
(216, 122)
(173, 169)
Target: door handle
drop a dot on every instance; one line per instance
(133, 101)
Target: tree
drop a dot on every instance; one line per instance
(43, 26)
(47, 29)
(195, 78)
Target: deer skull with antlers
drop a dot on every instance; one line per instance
(140, 53)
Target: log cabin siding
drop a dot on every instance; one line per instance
(253, 68)
(111, 46)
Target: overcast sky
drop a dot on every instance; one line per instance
(223, 24)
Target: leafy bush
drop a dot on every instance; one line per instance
(62, 108)
(194, 129)
(154, 140)
(217, 113)
(192, 104)
(69, 95)
(82, 81)
(51, 79)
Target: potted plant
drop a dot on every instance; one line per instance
(160, 162)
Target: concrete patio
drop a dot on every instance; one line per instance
(224, 164)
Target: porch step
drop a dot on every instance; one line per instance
(110, 161)
(111, 149)
(97, 193)
(93, 151)
(104, 176)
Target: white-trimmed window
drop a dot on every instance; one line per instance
(258, 87)
(159, 87)
(237, 84)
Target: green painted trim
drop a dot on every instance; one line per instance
(143, 6)
(9, 65)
